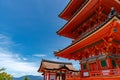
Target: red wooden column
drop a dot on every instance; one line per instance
(118, 71)
(60, 75)
(109, 63)
(44, 75)
(49, 76)
(81, 67)
(99, 66)
(56, 76)
(88, 68)
(65, 75)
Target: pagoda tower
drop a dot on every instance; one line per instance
(94, 28)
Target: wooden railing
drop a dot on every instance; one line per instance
(111, 72)
(97, 73)
(106, 72)
(74, 78)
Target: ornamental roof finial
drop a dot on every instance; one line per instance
(112, 12)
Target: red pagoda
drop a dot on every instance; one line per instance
(94, 27)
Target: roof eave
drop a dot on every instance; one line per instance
(61, 15)
(60, 31)
(113, 17)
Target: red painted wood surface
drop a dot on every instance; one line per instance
(71, 8)
(103, 33)
(84, 14)
(96, 78)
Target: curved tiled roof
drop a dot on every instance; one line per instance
(54, 65)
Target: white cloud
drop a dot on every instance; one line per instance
(24, 59)
(39, 55)
(14, 63)
(15, 66)
(5, 41)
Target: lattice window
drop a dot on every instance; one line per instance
(113, 63)
(103, 63)
(84, 66)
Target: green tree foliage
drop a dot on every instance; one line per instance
(26, 78)
(4, 75)
(2, 69)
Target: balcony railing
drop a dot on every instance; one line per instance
(98, 73)
(106, 72)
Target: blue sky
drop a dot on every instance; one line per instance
(28, 34)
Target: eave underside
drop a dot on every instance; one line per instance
(71, 8)
(76, 19)
(103, 40)
(85, 13)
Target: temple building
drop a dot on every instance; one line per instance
(53, 70)
(94, 29)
